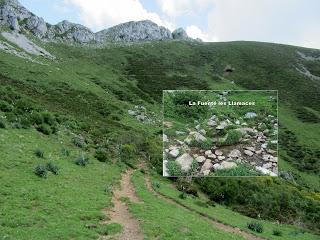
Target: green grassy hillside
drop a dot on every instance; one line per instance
(80, 102)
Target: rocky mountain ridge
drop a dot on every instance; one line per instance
(16, 17)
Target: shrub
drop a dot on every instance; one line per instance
(183, 195)
(51, 167)
(2, 124)
(82, 160)
(233, 137)
(5, 107)
(39, 153)
(240, 170)
(155, 184)
(48, 118)
(128, 151)
(44, 128)
(255, 226)
(276, 232)
(110, 229)
(41, 171)
(101, 155)
(37, 118)
(79, 141)
(186, 186)
(174, 169)
(65, 152)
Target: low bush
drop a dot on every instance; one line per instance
(41, 171)
(5, 107)
(155, 184)
(255, 226)
(174, 169)
(51, 167)
(79, 141)
(101, 155)
(81, 160)
(44, 128)
(65, 152)
(39, 153)
(2, 124)
(276, 232)
(183, 195)
(186, 186)
(233, 137)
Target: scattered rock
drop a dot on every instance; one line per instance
(235, 153)
(220, 158)
(222, 126)
(208, 152)
(227, 165)
(131, 112)
(265, 171)
(247, 152)
(212, 156)
(211, 123)
(180, 132)
(249, 115)
(165, 138)
(218, 153)
(200, 159)
(185, 161)
(206, 166)
(216, 166)
(250, 149)
(174, 153)
(267, 157)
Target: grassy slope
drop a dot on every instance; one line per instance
(161, 220)
(62, 205)
(84, 81)
(230, 217)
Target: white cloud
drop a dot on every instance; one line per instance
(195, 32)
(175, 8)
(286, 21)
(100, 14)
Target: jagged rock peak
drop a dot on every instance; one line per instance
(20, 20)
(145, 30)
(180, 34)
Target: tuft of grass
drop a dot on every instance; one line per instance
(276, 232)
(41, 171)
(82, 160)
(51, 167)
(240, 170)
(174, 169)
(233, 137)
(2, 124)
(156, 184)
(183, 195)
(109, 229)
(255, 226)
(39, 153)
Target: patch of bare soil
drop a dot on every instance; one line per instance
(120, 213)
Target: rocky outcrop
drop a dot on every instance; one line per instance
(19, 19)
(134, 32)
(180, 34)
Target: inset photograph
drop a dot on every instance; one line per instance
(220, 133)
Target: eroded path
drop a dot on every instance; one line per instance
(120, 213)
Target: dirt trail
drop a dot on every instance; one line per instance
(120, 213)
(217, 224)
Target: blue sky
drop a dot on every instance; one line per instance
(295, 22)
